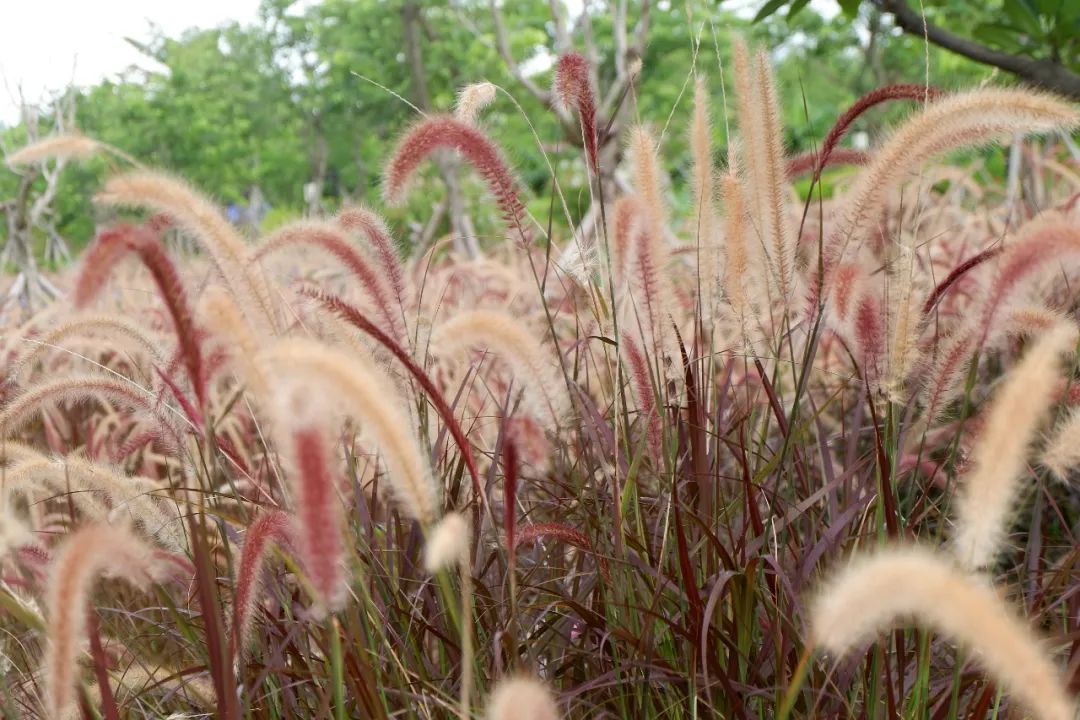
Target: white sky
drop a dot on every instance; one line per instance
(43, 41)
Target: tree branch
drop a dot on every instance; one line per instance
(503, 44)
(1043, 73)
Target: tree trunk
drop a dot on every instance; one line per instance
(461, 226)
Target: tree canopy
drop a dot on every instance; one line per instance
(310, 96)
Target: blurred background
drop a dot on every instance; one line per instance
(281, 108)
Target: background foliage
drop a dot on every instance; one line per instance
(261, 104)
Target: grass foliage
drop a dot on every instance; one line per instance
(620, 474)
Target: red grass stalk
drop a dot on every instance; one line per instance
(510, 477)
(653, 294)
(375, 230)
(270, 527)
(332, 240)
(958, 272)
(532, 445)
(629, 216)
(535, 531)
(900, 91)
(643, 388)
(807, 161)
(133, 444)
(869, 323)
(574, 89)
(111, 245)
(192, 412)
(444, 131)
(318, 511)
(356, 318)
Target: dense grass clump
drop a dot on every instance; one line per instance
(619, 474)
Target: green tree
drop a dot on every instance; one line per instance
(1035, 40)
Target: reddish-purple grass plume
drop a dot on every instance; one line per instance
(378, 283)
(351, 314)
(532, 532)
(574, 88)
(111, 245)
(274, 527)
(641, 377)
(445, 131)
(900, 91)
(374, 229)
(318, 511)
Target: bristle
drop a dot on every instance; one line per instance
(1062, 451)
(502, 333)
(904, 321)
(447, 544)
(799, 165)
(886, 93)
(69, 146)
(627, 218)
(642, 383)
(869, 322)
(87, 483)
(472, 99)
(75, 388)
(534, 531)
(198, 216)
(443, 131)
(219, 313)
(999, 457)
(333, 240)
(703, 187)
(769, 180)
(87, 553)
(1041, 243)
(378, 235)
(879, 592)
(574, 90)
(148, 248)
(747, 117)
(313, 470)
(649, 285)
(363, 392)
(736, 255)
(98, 326)
(274, 527)
(951, 122)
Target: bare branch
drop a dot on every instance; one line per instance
(503, 45)
(562, 35)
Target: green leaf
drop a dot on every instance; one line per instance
(997, 35)
(768, 9)
(1023, 17)
(796, 7)
(1049, 8)
(850, 7)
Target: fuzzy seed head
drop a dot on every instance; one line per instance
(521, 698)
(897, 586)
(70, 146)
(472, 99)
(999, 457)
(443, 131)
(448, 543)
